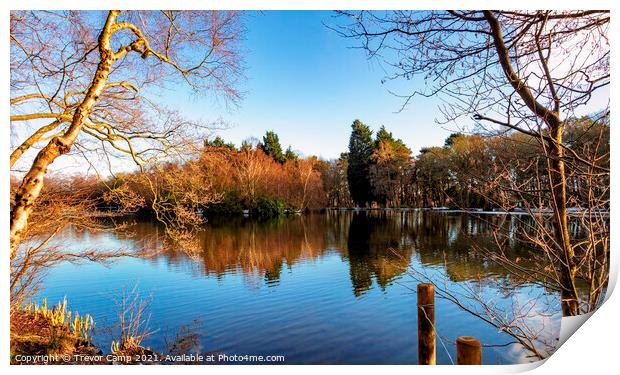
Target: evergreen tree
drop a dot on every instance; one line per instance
(452, 138)
(383, 136)
(219, 142)
(390, 169)
(361, 147)
(290, 155)
(271, 146)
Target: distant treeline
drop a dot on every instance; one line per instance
(474, 171)
(260, 178)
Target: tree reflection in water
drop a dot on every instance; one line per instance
(378, 245)
(311, 271)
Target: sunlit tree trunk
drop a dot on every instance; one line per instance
(557, 178)
(32, 183)
(556, 170)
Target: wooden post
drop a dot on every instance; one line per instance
(426, 324)
(468, 351)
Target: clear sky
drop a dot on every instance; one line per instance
(307, 84)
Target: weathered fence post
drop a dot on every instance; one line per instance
(468, 351)
(426, 324)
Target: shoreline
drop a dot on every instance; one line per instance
(571, 211)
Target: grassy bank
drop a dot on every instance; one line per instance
(43, 335)
(37, 330)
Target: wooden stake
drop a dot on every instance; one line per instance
(426, 324)
(468, 351)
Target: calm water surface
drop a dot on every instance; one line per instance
(327, 288)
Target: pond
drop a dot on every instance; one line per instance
(322, 288)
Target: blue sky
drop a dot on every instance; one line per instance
(307, 84)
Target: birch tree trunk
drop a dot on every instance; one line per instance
(32, 183)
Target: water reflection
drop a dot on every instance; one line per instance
(318, 288)
(377, 245)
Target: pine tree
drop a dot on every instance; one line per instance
(271, 146)
(290, 154)
(361, 147)
(219, 142)
(390, 169)
(451, 139)
(383, 136)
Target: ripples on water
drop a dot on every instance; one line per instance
(319, 288)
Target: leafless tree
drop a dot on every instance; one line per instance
(512, 71)
(94, 76)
